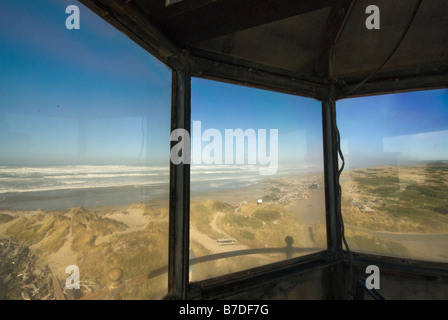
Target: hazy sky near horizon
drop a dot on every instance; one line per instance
(93, 96)
(394, 128)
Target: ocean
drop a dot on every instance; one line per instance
(64, 187)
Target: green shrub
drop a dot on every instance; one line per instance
(442, 209)
(267, 214)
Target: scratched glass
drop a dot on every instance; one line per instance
(395, 184)
(257, 187)
(84, 158)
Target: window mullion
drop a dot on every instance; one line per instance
(179, 191)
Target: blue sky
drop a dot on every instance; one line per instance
(67, 96)
(93, 96)
(298, 120)
(394, 128)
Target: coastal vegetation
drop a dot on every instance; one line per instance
(410, 198)
(376, 201)
(380, 204)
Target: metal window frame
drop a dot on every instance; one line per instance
(129, 20)
(179, 209)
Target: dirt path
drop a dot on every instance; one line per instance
(426, 246)
(212, 244)
(215, 227)
(64, 257)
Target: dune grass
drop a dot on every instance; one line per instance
(368, 243)
(408, 198)
(4, 218)
(202, 214)
(50, 228)
(259, 226)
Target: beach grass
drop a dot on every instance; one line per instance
(410, 198)
(362, 241)
(265, 225)
(203, 213)
(33, 229)
(135, 237)
(4, 218)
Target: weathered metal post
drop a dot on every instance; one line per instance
(331, 168)
(334, 236)
(179, 189)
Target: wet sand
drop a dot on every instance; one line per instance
(87, 198)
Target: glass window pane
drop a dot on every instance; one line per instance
(395, 186)
(84, 157)
(257, 188)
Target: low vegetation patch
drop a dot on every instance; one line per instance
(407, 199)
(4, 218)
(265, 225)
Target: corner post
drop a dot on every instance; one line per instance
(331, 167)
(334, 240)
(179, 209)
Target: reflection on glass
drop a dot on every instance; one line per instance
(84, 159)
(395, 187)
(253, 202)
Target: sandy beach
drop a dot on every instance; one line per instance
(134, 235)
(81, 236)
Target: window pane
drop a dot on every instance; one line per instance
(395, 186)
(257, 189)
(84, 160)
